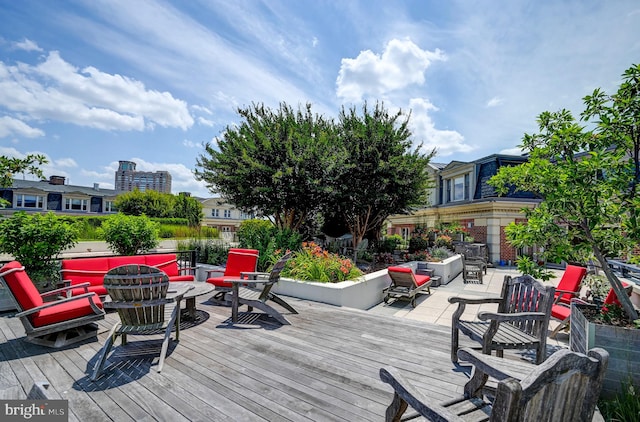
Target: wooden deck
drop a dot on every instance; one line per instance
(323, 367)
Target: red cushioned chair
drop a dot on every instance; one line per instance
(57, 323)
(569, 285)
(405, 284)
(238, 261)
(562, 313)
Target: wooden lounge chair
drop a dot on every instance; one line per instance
(522, 320)
(55, 323)
(258, 298)
(563, 388)
(405, 284)
(238, 261)
(139, 293)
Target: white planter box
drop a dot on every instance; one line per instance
(201, 271)
(447, 269)
(362, 294)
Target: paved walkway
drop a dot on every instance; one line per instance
(436, 309)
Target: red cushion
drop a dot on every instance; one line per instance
(182, 278)
(570, 281)
(85, 269)
(400, 269)
(99, 290)
(117, 261)
(165, 262)
(240, 260)
(65, 312)
(219, 281)
(612, 298)
(421, 279)
(560, 312)
(21, 286)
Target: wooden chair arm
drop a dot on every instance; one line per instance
(564, 292)
(57, 302)
(511, 317)
(474, 300)
(495, 367)
(66, 288)
(405, 393)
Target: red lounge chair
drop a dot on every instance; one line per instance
(238, 261)
(405, 284)
(56, 323)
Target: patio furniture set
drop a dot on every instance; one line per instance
(143, 295)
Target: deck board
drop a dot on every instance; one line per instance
(323, 367)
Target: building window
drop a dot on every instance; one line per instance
(30, 201)
(110, 206)
(74, 204)
(404, 232)
(458, 189)
(227, 213)
(226, 229)
(215, 212)
(245, 215)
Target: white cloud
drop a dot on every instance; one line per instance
(495, 101)
(190, 144)
(401, 64)
(56, 90)
(27, 45)
(446, 142)
(206, 122)
(66, 162)
(512, 151)
(14, 127)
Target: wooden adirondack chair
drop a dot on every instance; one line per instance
(139, 293)
(258, 298)
(563, 388)
(55, 323)
(522, 320)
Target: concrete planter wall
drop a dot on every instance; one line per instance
(447, 269)
(362, 294)
(202, 274)
(623, 345)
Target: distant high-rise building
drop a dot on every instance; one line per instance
(128, 179)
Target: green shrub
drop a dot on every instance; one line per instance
(312, 263)
(267, 239)
(625, 406)
(36, 240)
(388, 243)
(418, 244)
(208, 251)
(128, 234)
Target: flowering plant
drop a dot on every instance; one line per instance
(444, 240)
(312, 263)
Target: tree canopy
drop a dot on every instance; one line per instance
(380, 174)
(288, 165)
(587, 180)
(273, 162)
(160, 205)
(10, 166)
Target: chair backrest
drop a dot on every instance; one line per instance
(24, 292)
(612, 298)
(274, 275)
(571, 280)
(138, 292)
(402, 277)
(526, 294)
(239, 260)
(565, 387)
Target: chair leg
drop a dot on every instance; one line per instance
(175, 316)
(281, 302)
(270, 311)
(455, 335)
(102, 357)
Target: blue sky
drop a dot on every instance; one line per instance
(89, 83)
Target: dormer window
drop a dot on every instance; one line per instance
(458, 188)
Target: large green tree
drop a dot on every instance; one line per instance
(274, 161)
(587, 180)
(160, 205)
(381, 173)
